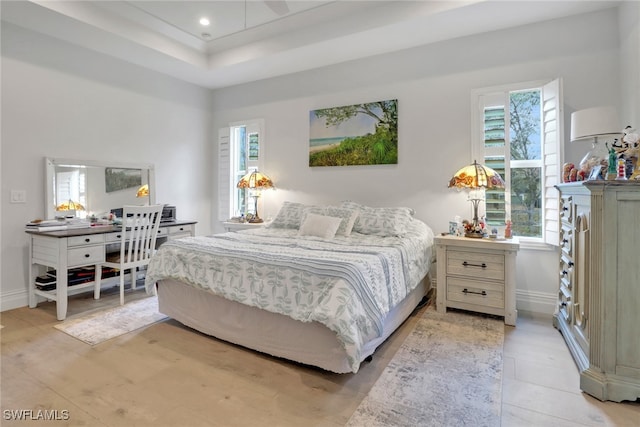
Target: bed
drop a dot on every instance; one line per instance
(321, 285)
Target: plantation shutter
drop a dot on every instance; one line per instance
(224, 174)
(552, 146)
(492, 150)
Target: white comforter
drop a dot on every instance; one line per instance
(349, 284)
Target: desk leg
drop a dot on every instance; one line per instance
(62, 295)
(33, 271)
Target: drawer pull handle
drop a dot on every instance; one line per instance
(87, 255)
(119, 236)
(87, 240)
(565, 241)
(565, 272)
(467, 291)
(468, 264)
(571, 264)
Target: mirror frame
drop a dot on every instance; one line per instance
(52, 162)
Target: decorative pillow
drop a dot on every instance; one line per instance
(380, 221)
(348, 216)
(320, 226)
(289, 216)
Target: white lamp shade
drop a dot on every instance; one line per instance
(594, 122)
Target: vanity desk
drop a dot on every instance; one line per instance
(65, 250)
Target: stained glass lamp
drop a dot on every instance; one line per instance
(473, 177)
(255, 181)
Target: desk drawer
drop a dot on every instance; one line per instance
(477, 292)
(113, 237)
(179, 231)
(91, 239)
(475, 265)
(85, 255)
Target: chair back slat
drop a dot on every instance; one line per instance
(139, 233)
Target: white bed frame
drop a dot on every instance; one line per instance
(278, 335)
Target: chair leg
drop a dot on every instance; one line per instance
(122, 272)
(97, 281)
(134, 276)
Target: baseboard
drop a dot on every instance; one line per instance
(536, 302)
(13, 299)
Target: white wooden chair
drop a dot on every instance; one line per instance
(138, 242)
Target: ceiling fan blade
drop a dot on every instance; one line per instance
(278, 6)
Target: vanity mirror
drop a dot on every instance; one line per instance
(94, 187)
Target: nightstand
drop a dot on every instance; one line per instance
(235, 226)
(477, 275)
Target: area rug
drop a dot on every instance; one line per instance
(448, 372)
(104, 325)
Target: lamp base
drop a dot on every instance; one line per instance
(474, 234)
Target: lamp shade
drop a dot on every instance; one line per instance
(594, 122)
(143, 191)
(476, 175)
(255, 180)
(69, 205)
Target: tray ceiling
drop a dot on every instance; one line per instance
(255, 39)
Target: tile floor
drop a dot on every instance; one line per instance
(168, 375)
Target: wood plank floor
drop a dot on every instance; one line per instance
(169, 375)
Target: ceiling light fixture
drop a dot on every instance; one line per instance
(204, 22)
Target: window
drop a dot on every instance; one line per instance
(517, 132)
(240, 149)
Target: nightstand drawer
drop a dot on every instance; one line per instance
(475, 265)
(85, 255)
(477, 292)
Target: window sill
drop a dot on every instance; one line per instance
(533, 244)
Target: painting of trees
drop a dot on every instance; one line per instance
(360, 134)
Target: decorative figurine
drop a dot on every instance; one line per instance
(507, 230)
(613, 161)
(622, 176)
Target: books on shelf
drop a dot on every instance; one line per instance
(75, 276)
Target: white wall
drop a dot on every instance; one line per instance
(433, 85)
(629, 28)
(60, 100)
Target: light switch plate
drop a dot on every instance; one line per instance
(18, 196)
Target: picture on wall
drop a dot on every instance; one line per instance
(359, 134)
(116, 179)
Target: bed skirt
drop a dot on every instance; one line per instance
(309, 343)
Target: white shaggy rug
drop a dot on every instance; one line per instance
(104, 325)
(448, 372)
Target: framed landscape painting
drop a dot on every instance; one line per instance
(121, 178)
(359, 134)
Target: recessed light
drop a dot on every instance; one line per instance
(204, 22)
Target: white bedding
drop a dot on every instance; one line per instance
(349, 284)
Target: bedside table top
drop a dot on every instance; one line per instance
(468, 242)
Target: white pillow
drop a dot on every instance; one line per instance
(319, 226)
(348, 216)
